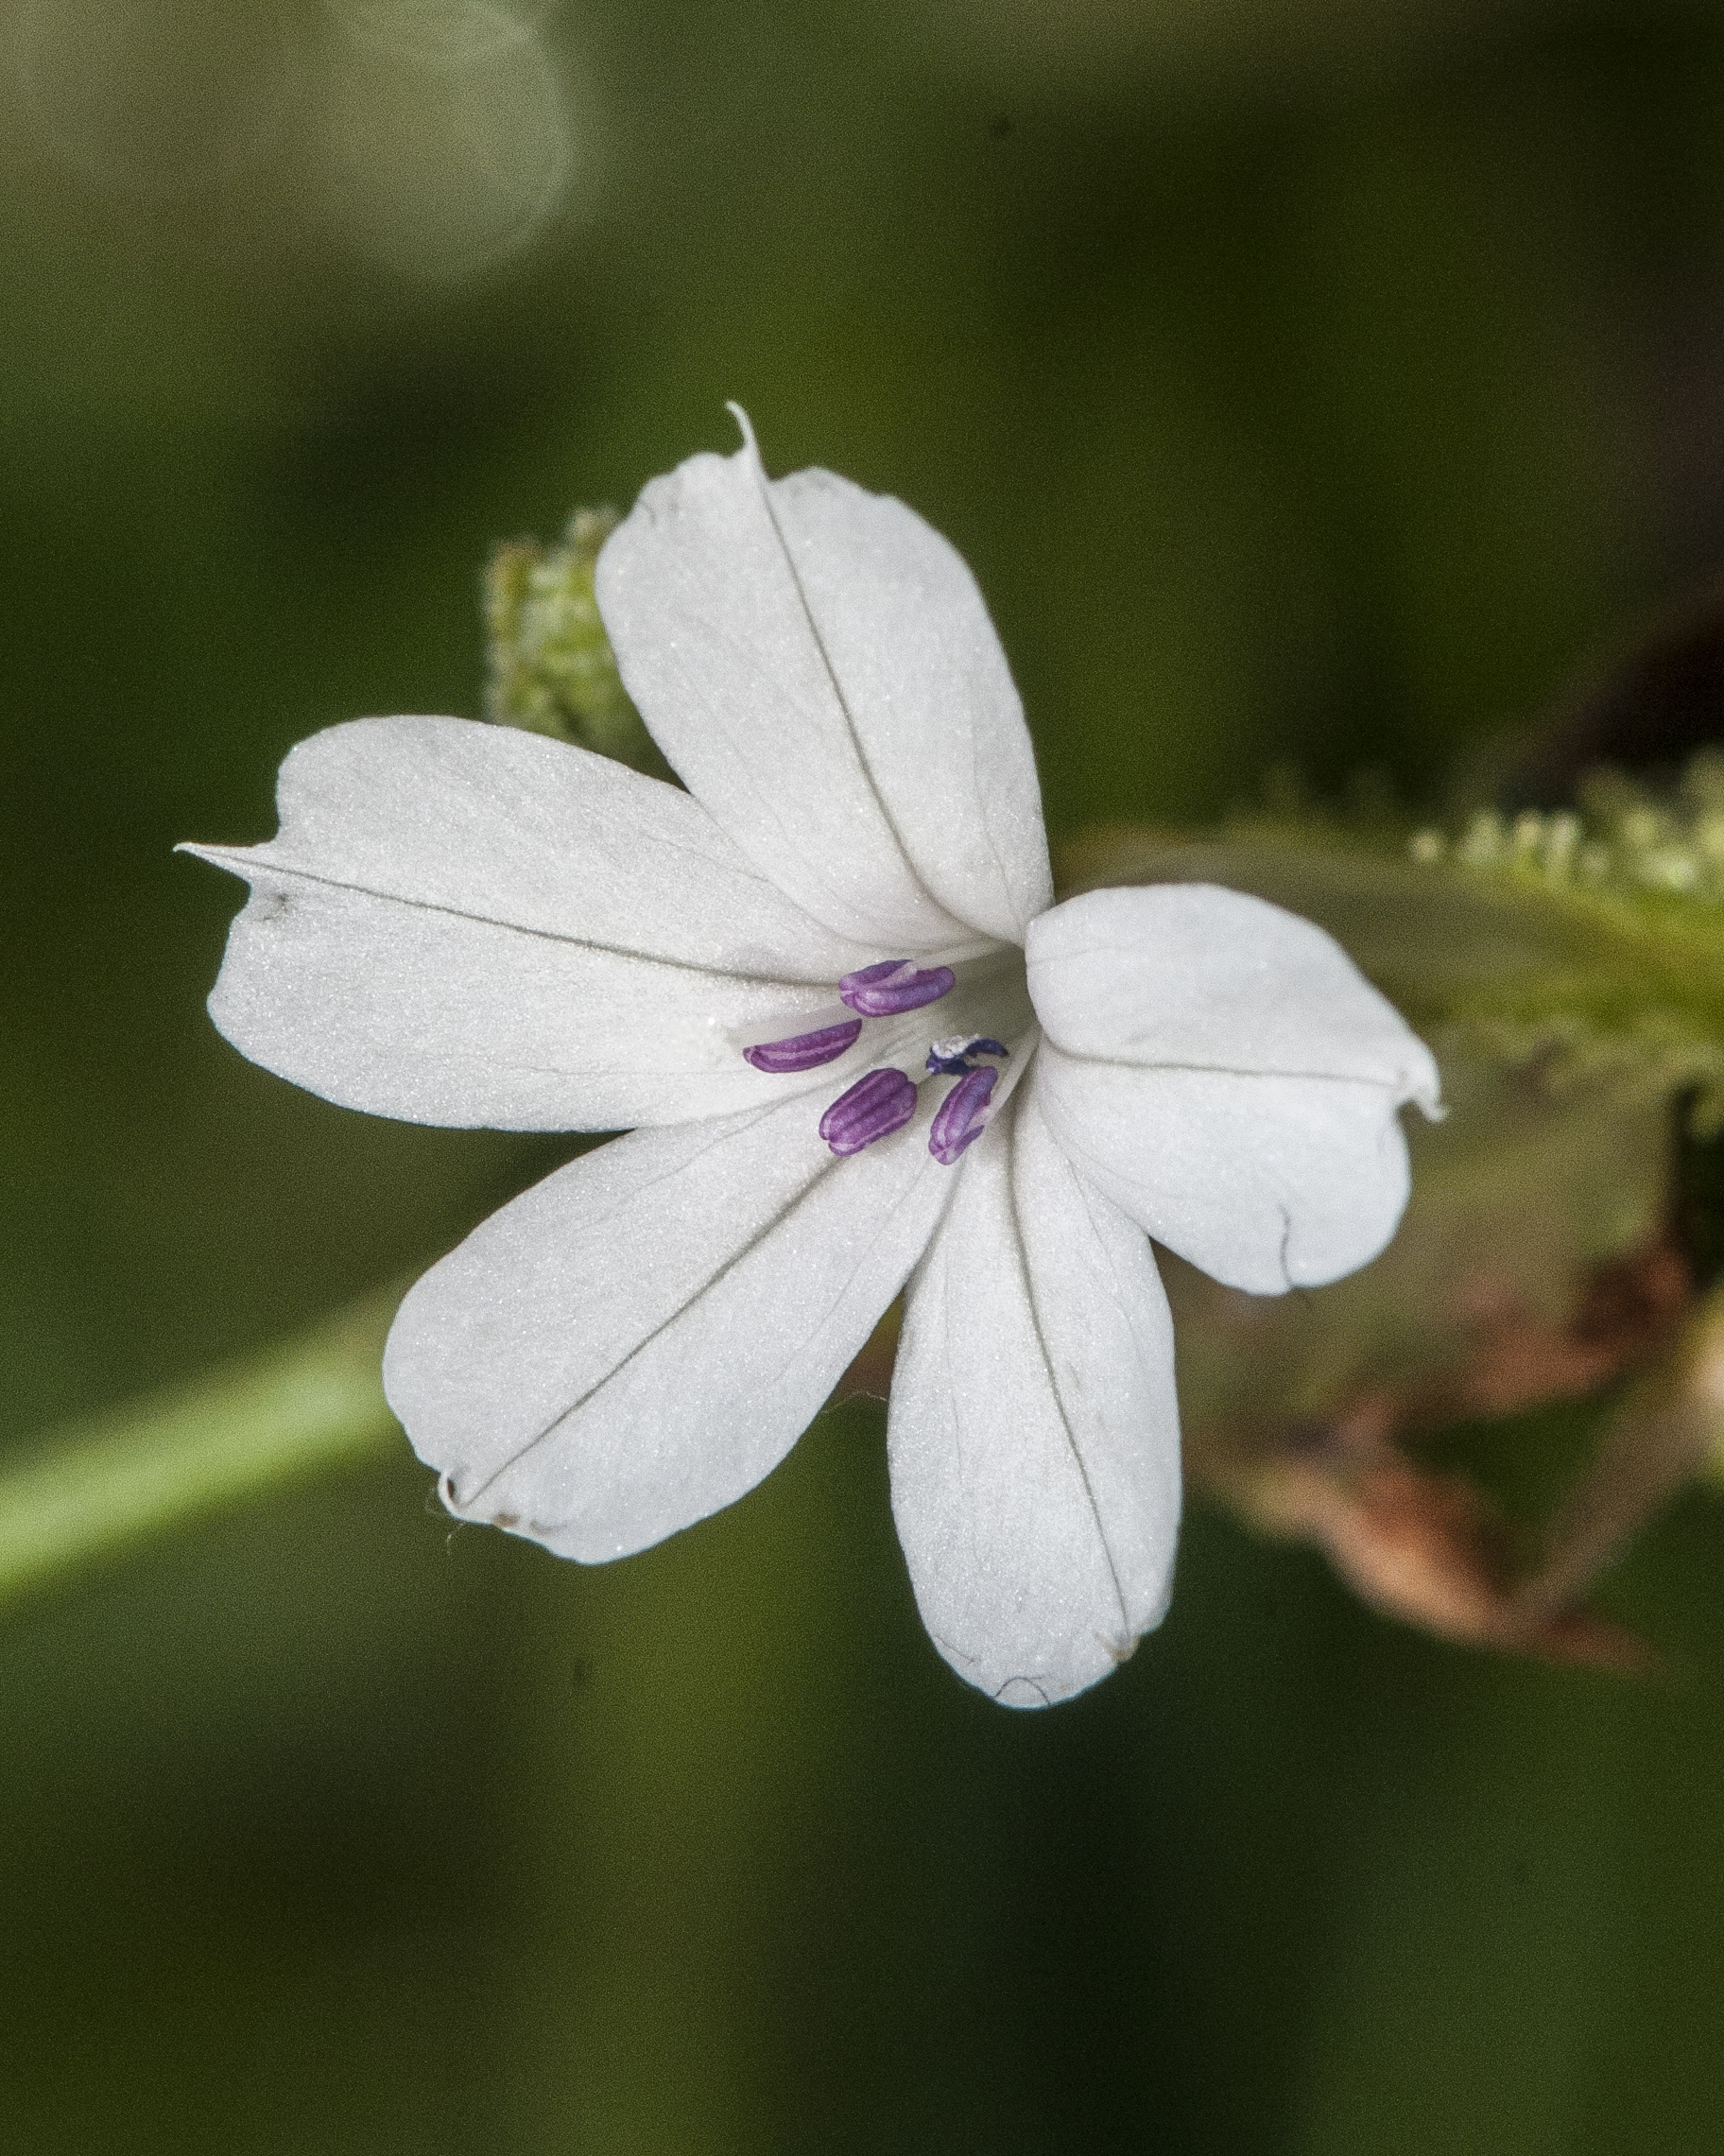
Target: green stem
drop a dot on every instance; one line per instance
(95, 1488)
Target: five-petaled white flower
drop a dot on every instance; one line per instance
(855, 1045)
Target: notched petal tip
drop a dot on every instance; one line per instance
(1046, 1690)
(751, 446)
(232, 858)
(470, 1513)
(1419, 1083)
(1427, 1098)
(1023, 1692)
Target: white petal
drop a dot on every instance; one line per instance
(1172, 975)
(1034, 1431)
(818, 666)
(469, 924)
(1224, 1072)
(1265, 1184)
(636, 1341)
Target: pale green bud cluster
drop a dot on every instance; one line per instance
(1625, 841)
(1617, 967)
(550, 667)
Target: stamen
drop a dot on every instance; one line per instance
(804, 1051)
(875, 1107)
(963, 1115)
(893, 985)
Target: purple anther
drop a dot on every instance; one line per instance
(882, 990)
(963, 1115)
(987, 1048)
(875, 1107)
(804, 1051)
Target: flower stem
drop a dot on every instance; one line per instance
(95, 1488)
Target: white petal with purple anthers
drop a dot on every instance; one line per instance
(637, 1340)
(1034, 1430)
(467, 925)
(819, 668)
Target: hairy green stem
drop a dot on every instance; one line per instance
(95, 1488)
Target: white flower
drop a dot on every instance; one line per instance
(464, 924)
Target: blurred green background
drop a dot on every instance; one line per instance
(1307, 381)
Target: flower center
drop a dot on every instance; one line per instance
(885, 1098)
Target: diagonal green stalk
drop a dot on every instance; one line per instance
(97, 1488)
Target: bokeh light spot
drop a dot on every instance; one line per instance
(446, 154)
(440, 30)
(156, 97)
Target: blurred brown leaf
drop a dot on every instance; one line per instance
(1422, 1546)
